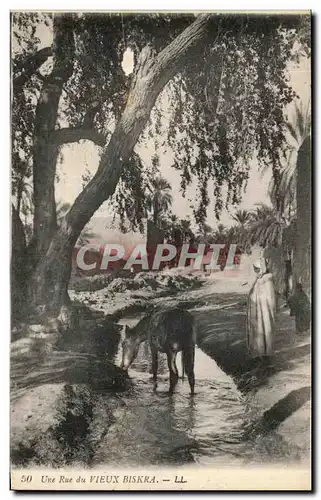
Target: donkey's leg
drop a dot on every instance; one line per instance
(183, 368)
(154, 352)
(173, 372)
(188, 358)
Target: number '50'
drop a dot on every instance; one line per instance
(26, 479)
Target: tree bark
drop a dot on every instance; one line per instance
(46, 151)
(51, 278)
(75, 134)
(18, 260)
(302, 251)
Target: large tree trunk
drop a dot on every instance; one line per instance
(50, 280)
(19, 195)
(156, 210)
(154, 237)
(18, 261)
(46, 151)
(302, 251)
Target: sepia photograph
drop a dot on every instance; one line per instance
(161, 204)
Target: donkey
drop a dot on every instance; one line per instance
(169, 331)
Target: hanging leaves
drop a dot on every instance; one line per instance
(222, 108)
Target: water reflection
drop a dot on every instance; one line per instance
(208, 428)
(153, 428)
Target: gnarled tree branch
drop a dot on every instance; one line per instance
(85, 131)
(75, 134)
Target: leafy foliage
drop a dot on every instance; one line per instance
(223, 106)
(24, 44)
(130, 196)
(232, 109)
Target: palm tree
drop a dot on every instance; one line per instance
(205, 235)
(221, 234)
(302, 125)
(181, 230)
(160, 199)
(277, 227)
(167, 222)
(267, 227)
(292, 203)
(185, 227)
(283, 193)
(242, 217)
(239, 232)
(263, 211)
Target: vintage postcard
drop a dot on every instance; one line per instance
(161, 250)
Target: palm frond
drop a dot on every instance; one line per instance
(300, 121)
(242, 217)
(62, 209)
(293, 132)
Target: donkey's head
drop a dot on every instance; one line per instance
(130, 348)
